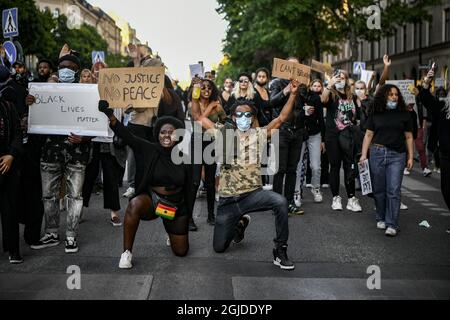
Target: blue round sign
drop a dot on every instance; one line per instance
(10, 51)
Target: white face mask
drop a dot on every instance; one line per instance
(340, 85)
(360, 92)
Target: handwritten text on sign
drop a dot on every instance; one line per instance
(139, 87)
(405, 86)
(64, 108)
(321, 67)
(290, 70)
(364, 176)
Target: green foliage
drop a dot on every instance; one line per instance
(43, 36)
(260, 30)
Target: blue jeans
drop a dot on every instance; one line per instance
(386, 171)
(230, 210)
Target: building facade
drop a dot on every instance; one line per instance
(93, 16)
(412, 49)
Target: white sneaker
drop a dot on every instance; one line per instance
(381, 225)
(309, 185)
(403, 206)
(268, 187)
(168, 242)
(353, 205)
(427, 172)
(337, 203)
(325, 186)
(406, 172)
(125, 260)
(129, 193)
(317, 195)
(297, 199)
(390, 232)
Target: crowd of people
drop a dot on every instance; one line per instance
(330, 123)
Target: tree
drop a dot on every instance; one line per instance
(34, 27)
(260, 30)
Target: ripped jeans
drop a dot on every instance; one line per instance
(52, 174)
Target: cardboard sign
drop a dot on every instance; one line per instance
(321, 67)
(364, 177)
(290, 70)
(197, 70)
(139, 87)
(64, 108)
(404, 86)
(366, 75)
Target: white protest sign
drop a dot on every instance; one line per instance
(364, 176)
(196, 69)
(404, 86)
(64, 108)
(366, 75)
(439, 82)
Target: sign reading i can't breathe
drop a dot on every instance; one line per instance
(139, 87)
(291, 70)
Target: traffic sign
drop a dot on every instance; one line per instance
(10, 23)
(10, 51)
(98, 56)
(358, 66)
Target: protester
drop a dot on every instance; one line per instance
(86, 77)
(242, 91)
(110, 157)
(340, 138)
(292, 134)
(389, 137)
(315, 143)
(228, 87)
(95, 70)
(10, 151)
(164, 186)
(68, 156)
(209, 94)
(440, 109)
(264, 105)
(45, 69)
(240, 179)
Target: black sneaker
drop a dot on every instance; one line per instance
(15, 258)
(47, 241)
(211, 220)
(281, 259)
(192, 225)
(294, 210)
(240, 228)
(71, 245)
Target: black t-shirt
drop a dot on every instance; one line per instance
(389, 129)
(341, 114)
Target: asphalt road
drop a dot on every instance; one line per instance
(332, 252)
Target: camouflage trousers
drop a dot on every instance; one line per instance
(52, 174)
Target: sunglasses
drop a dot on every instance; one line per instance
(241, 114)
(243, 81)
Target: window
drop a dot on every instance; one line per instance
(395, 41)
(56, 13)
(446, 22)
(405, 37)
(427, 34)
(417, 35)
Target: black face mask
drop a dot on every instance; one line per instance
(261, 84)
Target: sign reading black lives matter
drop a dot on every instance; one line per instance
(64, 108)
(139, 87)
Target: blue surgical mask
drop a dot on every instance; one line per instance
(243, 123)
(391, 105)
(66, 75)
